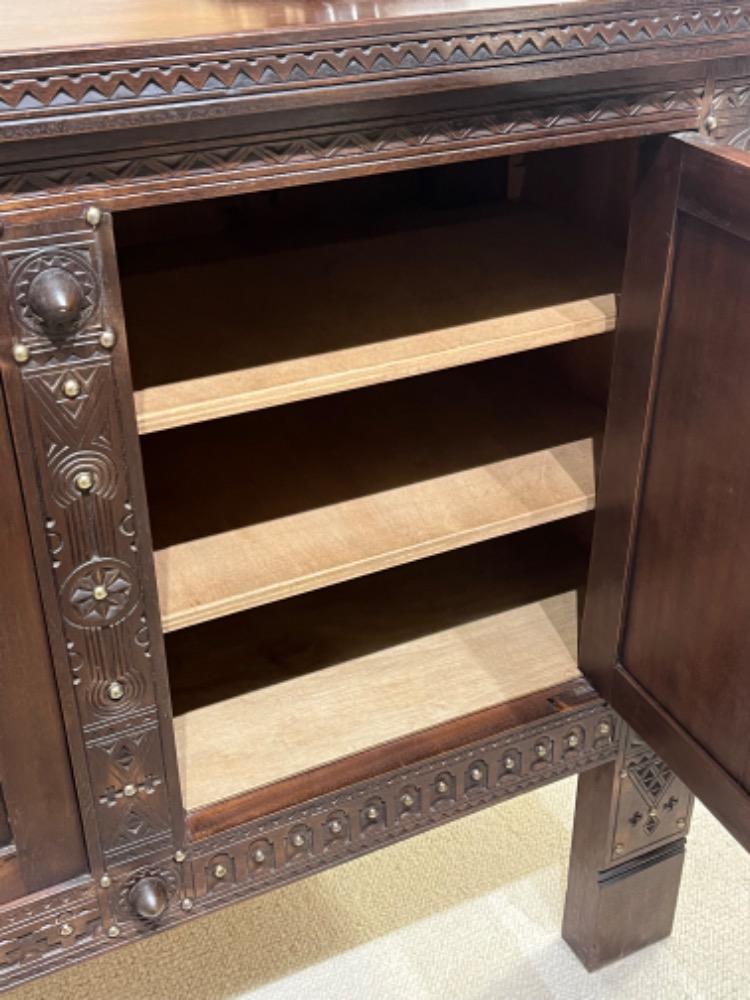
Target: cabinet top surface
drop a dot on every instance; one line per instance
(44, 25)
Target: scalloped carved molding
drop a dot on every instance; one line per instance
(200, 85)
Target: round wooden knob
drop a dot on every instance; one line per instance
(149, 897)
(57, 299)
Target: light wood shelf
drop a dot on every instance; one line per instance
(219, 338)
(386, 476)
(372, 661)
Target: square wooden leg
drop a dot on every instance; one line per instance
(628, 847)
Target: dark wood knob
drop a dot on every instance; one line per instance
(57, 299)
(149, 897)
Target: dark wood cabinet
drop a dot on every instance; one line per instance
(356, 362)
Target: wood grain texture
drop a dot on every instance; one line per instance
(675, 640)
(210, 340)
(41, 806)
(372, 661)
(409, 470)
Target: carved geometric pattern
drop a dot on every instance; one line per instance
(61, 258)
(92, 572)
(100, 592)
(288, 845)
(651, 776)
(220, 77)
(653, 805)
(273, 155)
(730, 107)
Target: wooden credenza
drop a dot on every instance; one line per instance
(374, 384)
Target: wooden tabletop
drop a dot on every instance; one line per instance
(54, 24)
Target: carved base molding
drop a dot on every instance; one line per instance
(37, 937)
(206, 168)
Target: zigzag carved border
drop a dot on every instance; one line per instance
(264, 160)
(204, 84)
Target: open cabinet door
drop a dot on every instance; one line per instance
(666, 630)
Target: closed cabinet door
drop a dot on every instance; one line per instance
(666, 631)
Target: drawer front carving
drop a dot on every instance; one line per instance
(65, 364)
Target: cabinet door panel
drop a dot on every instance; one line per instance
(665, 632)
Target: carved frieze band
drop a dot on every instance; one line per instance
(653, 805)
(730, 109)
(245, 162)
(66, 405)
(325, 831)
(198, 83)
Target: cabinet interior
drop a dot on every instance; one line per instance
(370, 415)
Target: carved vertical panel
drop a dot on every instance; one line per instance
(65, 363)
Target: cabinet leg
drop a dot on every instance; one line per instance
(631, 819)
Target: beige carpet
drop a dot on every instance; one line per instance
(471, 911)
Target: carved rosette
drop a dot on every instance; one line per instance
(71, 416)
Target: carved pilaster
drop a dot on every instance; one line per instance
(70, 402)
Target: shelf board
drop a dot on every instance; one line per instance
(372, 661)
(408, 471)
(248, 332)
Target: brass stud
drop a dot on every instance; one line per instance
(441, 787)
(653, 813)
(93, 216)
(220, 871)
(619, 849)
(711, 123)
(179, 856)
(335, 826)
(71, 388)
(20, 353)
(509, 763)
(573, 741)
(107, 339)
(298, 840)
(540, 750)
(129, 791)
(66, 930)
(115, 691)
(187, 904)
(476, 774)
(681, 823)
(603, 728)
(114, 931)
(259, 855)
(407, 800)
(105, 881)
(372, 812)
(84, 482)
(99, 592)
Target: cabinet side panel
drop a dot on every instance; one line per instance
(42, 807)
